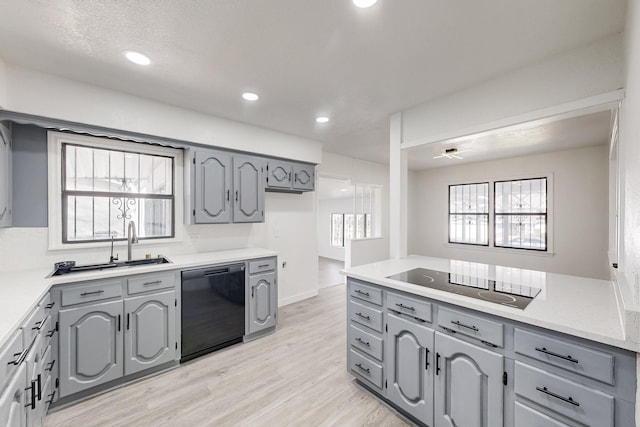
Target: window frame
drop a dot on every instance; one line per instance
(488, 214)
(367, 220)
(545, 214)
(55, 160)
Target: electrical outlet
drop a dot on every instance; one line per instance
(284, 265)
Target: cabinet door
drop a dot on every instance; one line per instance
(13, 400)
(150, 338)
(248, 187)
(90, 346)
(468, 385)
(303, 177)
(279, 174)
(5, 177)
(212, 187)
(410, 367)
(263, 302)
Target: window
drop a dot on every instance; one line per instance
(104, 184)
(520, 212)
(469, 214)
(349, 226)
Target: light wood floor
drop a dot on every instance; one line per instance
(329, 272)
(295, 377)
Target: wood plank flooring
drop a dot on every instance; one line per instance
(295, 377)
(329, 272)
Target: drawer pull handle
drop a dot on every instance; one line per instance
(84, 294)
(155, 282)
(358, 291)
(462, 325)
(51, 365)
(51, 333)
(557, 396)
(405, 307)
(363, 316)
(52, 396)
(361, 341)
(20, 359)
(263, 265)
(551, 353)
(50, 305)
(362, 368)
(38, 326)
(32, 389)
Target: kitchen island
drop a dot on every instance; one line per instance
(440, 357)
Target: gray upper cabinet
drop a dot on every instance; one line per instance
(212, 187)
(248, 189)
(287, 176)
(303, 177)
(409, 361)
(279, 174)
(90, 346)
(5, 176)
(13, 400)
(468, 386)
(149, 331)
(263, 301)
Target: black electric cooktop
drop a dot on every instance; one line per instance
(509, 294)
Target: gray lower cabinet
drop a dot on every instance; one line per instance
(212, 187)
(468, 386)
(150, 331)
(13, 399)
(248, 189)
(263, 301)
(410, 350)
(90, 346)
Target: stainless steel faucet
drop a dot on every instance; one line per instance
(132, 237)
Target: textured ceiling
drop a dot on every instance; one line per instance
(304, 57)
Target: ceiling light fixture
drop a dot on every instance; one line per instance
(452, 153)
(137, 57)
(322, 119)
(364, 3)
(250, 96)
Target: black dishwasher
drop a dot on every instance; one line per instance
(212, 309)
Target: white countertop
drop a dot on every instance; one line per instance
(21, 290)
(578, 306)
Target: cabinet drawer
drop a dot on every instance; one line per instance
(88, 293)
(365, 316)
(528, 417)
(261, 265)
(47, 331)
(578, 359)
(151, 282)
(365, 368)
(11, 354)
(366, 342)
(473, 326)
(46, 303)
(31, 327)
(409, 306)
(364, 292)
(580, 403)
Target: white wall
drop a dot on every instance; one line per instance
(580, 73)
(50, 96)
(325, 209)
(364, 251)
(580, 211)
(3, 83)
(630, 146)
(291, 216)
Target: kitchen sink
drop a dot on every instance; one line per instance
(68, 267)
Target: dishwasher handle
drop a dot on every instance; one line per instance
(212, 271)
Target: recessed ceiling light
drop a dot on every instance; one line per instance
(137, 57)
(322, 119)
(250, 96)
(364, 3)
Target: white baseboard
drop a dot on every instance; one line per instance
(298, 297)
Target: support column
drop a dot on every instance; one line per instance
(397, 190)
